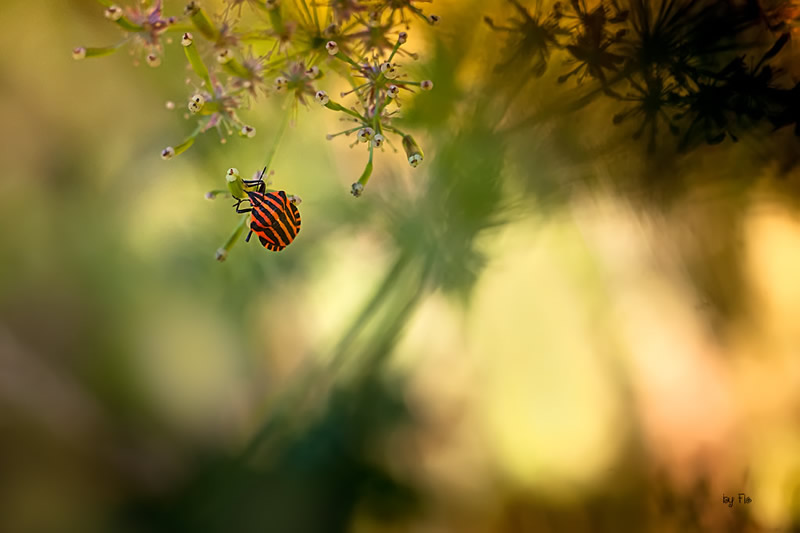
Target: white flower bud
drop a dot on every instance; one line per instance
(377, 141)
(224, 56)
(389, 71)
(426, 85)
(153, 60)
(187, 39)
(221, 254)
(248, 131)
(402, 37)
(281, 83)
(196, 103)
(332, 48)
(392, 91)
(170, 105)
(434, 19)
(167, 153)
(357, 189)
(365, 134)
(113, 13)
(295, 199)
(271, 4)
(415, 160)
(79, 52)
(313, 72)
(322, 97)
(232, 174)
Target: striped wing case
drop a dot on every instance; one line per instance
(274, 219)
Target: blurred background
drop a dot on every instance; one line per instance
(547, 326)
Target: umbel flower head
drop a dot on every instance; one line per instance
(282, 50)
(377, 86)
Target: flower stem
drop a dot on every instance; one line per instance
(278, 137)
(222, 252)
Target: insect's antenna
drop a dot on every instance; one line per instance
(261, 178)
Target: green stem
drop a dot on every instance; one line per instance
(394, 51)
(278, 137)
(339, 107)
(368, 169)
(199, 66)
(346, 59)
(203, 23)
(222, 253)
(394, 130)
(237, 69)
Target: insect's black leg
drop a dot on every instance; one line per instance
(239, 202)
(249, 234)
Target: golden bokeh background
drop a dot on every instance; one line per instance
(600, 357)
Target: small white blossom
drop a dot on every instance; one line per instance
(113, 13)
(322, 97)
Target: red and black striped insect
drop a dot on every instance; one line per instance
(273, 216)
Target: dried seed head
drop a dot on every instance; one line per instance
(322, 97)
(153, 60)
(313, 72)
(187, 39)
(167, 153)
(332, 48)
(434, 19)
(79, 52)
(224, 56)
(415, 160)
(113, 12)
(232, 174)
(357, 190)
(426, 85)
(402, 37)
(196, 103)
(377, 141)
(365, 134)
(392, 91)
(248, 131)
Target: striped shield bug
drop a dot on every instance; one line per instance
(274, 217)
